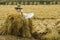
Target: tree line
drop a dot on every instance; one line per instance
(30, 2)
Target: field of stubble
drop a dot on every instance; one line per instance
(39, 25)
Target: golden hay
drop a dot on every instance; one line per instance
(13, 23)
(50, 29)
(17, 25)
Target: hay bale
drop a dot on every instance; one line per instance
(28, 28)
(13, 23)
(17, 25)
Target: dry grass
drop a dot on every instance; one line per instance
(41, 11)
(15, 22)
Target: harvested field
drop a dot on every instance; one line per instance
(41, 11)
(46, 22)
